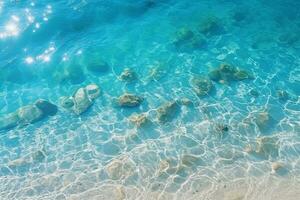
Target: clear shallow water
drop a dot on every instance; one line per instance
(101, 154)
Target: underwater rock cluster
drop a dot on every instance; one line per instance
(210, 25)
(153, 108)
(78, 103)
(186, 39)
(224, 74)
(227, 73)
(82, 99)
(28, 114)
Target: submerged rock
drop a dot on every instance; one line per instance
(202, 86)
(185, 102)
(9, 121)
(28, 114)
(183, 35)
(210, 25)
(227, 73)
(75, 74)
(47, 108)
(129, 100)
(276, 166)
(290, 38)
(97, 65)
(139, 119)
(264, 40)
(262, 120)
(282, 95)
(189, 160)
(120, 169)
(267, 146)
(93, 91)
(82, 99)
(241, 75)
(35, 157)
(186, 39)
(254, 93)
(195, 43)
(91, 60)
(38, 156)
(163, 165)
(128, 75)
(167, 112)
(240, 15)
(67, 102)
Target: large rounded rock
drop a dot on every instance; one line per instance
(29, 114)
(9, 121)
(67, 102)
(46, 107)
(93, 91)
(82, 99)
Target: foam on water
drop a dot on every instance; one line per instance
(238, 141)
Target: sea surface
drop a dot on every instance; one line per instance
(224, 137)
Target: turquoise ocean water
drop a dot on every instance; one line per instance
(214, 111)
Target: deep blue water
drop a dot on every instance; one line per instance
(240, 140)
